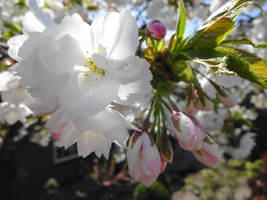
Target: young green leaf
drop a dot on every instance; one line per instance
(219, 25)
(182, 70)
(230, 60)
(245, 64)
(176, 41)
(181, 21)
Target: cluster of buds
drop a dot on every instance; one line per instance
(192, 137)
(146, 162)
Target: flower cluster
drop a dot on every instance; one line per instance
(95, 79)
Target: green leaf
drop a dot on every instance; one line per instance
(219, 25)
(245, 41)
(182, 70)
(176, 40)
(3, 67)
(20, 3)
(245, 64)
(181, 21)
(230, 60)
(157, 191)
(12, 29)
(213, 35)
(227, 7)
(213, 59)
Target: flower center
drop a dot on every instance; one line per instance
(93, 68)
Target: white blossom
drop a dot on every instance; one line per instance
(75, 70)
(15, 98)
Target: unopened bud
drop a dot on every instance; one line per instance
(209, 155)
(188, 131)
(144, 160)
(156, 30)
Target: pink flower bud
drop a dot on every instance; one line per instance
(229, 99)
(144, 160)
(209, 155)
(188, 131)
(156, 30)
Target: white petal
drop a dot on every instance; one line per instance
(134, 69)
(126, 40)
(129, 93)
(14, 44)
(29, 45)
(117, 134)
(31, 24)
(100, 122)
(5, 78)
(118, 33)
(66, 53)
(40, 15)
(78, 29)
(90, 141)
(89, 99)
(24, 110)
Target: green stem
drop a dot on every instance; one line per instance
(159, 130)
(151, 108)
(163, 117)
(147, 120)
(166, 105)
(156, 110)
(172, 103)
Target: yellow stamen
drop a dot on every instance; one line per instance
(93, 68)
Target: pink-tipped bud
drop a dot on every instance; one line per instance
(209, 155)
(144, 160)
(188, 131)
(156, 30)
(227, 98)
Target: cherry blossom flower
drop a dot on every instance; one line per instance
(15, 98)
(75, 71)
